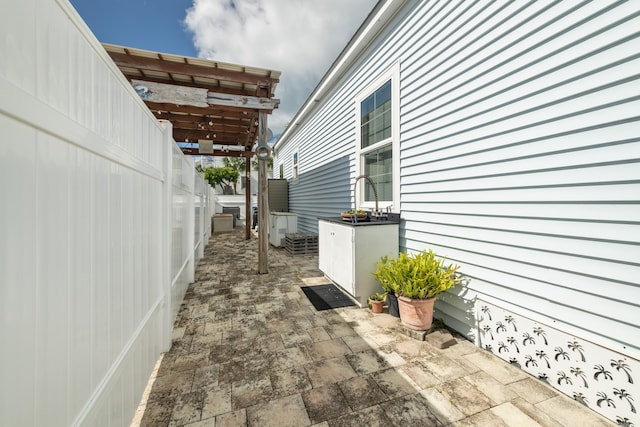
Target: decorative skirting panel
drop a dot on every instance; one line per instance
(597, 377)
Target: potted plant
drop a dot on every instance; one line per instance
(385, 273)
(348, 215)
(417, 279)
(376, 301)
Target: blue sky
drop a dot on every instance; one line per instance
(156, 25)
(300, 38)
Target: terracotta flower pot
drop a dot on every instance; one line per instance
(376, 306)
(416, 314)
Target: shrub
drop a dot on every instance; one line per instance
(417, 276)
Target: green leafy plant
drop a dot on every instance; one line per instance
(240, 164)
(225, 176)
(378, 296)
(417, 276)
(387, 269)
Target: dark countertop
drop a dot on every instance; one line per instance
(392, 219)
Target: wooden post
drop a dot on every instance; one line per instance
(263, 201)
(247, 190)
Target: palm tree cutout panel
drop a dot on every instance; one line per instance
(592, 375)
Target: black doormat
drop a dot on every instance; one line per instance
(326, 297)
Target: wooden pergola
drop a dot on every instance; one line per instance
(220, 107)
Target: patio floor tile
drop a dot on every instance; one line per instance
(532, 390)
(158, 413)
(441, 407)
(187, 409)
(171, 385)
(245, 394)
(356, 343)
(482, 419)
(569, 412)
(411, 410)
(513, 416)
(443, 368)
(372, 416)
(366, 362)
(328, 349)
(464, 396)
(495, 367)
(294, 356)
(393, 383)
(325, 402)
(207, 376)
(232, 419)
(361, 392)
(489, 386)
(283, 412)
(421, 376)
(329, 371)
(289, 381)
(217, 400)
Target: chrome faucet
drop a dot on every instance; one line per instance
(355, 200)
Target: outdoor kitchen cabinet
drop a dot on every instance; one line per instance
(348, 253)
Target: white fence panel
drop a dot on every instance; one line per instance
(97, 227)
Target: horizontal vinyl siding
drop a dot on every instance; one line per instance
(520, 159)
(327, 139)
(324, 170)
(323, 191)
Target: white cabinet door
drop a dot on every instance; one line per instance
(325, 248)
(335, 254)
(343, 257)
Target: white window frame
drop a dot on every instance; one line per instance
(295, 165)
(392, 74)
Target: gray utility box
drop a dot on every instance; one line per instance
(281, 223)
(278, 191)
(222, 223)
(233, 210)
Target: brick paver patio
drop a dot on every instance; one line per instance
(251, 350)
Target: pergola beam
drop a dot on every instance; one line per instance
(218, 123)
(216, 110)
(199, 97)
(217, 153)
(158, 65)
(253, 102)
(199, 84)
(221, 137)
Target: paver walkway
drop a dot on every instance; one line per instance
(251, 350)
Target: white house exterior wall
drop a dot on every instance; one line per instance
(519, 156)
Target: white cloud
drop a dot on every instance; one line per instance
(300, 38)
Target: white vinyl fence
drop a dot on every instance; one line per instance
(102, 220)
